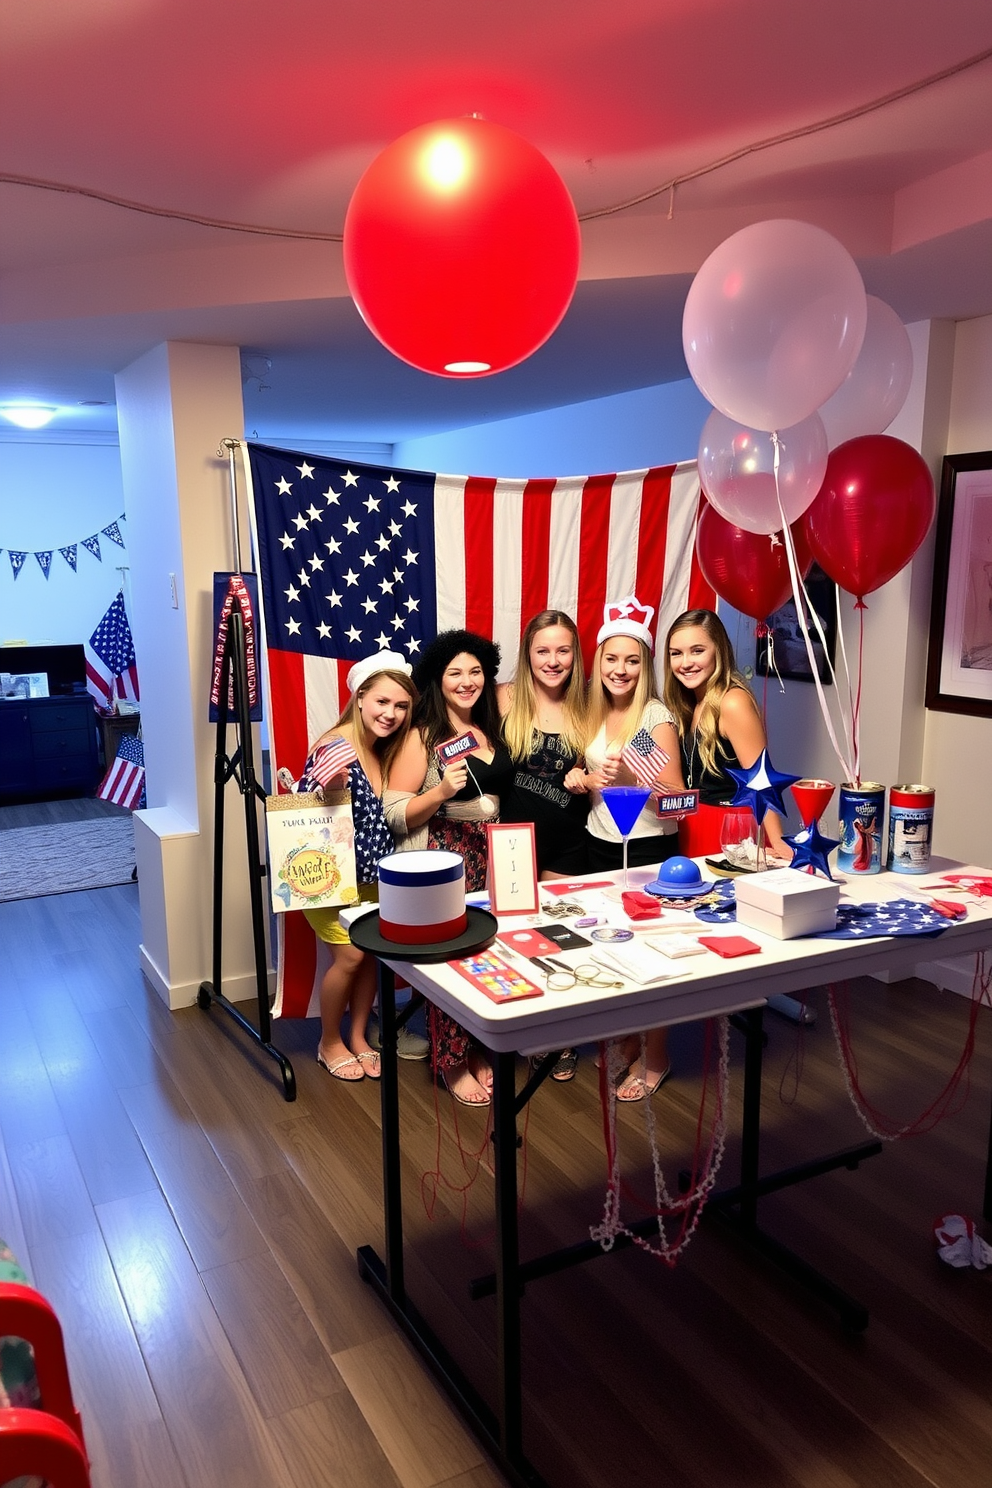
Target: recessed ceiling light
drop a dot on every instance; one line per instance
(29, 415)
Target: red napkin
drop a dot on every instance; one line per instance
(640, 906)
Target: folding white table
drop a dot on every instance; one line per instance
(698, 988)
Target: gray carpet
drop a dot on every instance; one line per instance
(63, 858)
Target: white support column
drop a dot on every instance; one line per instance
(175, 404)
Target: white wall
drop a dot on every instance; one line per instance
(53, 495)
(629, 431)
(957, 749)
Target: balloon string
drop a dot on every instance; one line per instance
(798, 591)
(852, 705)
(857, 705)
(846, 723)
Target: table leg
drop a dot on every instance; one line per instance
(987, 1204)
(509, 1409)
(389, 1087)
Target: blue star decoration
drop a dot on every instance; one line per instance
(761, 787)
(811, 849)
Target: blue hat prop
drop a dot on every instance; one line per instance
(679, 878)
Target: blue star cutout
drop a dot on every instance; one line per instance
(761, 787)
(811, 849)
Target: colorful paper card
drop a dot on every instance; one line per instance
(685, 803)
(455, 749)
(495, 978)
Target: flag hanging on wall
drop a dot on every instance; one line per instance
(111, 670)
(354, 559)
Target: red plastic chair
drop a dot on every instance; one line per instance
(35, 1443)
(47, 1443)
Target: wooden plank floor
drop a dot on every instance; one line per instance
(197, 1236)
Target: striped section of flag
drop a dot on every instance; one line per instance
(331, 759)
(355, 559)
(124, 782)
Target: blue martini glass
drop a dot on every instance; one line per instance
(625, 804)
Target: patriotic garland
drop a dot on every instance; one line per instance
(19, 556)
(236, 587)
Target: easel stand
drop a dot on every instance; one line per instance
(240, 767)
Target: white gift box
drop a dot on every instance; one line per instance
(785, 903)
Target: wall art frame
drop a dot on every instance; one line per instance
(959, 659)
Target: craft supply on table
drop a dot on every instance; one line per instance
(890, 917)
(860, 813)
(496, 978)
(676, 946)
(635, 962)
(529, 943)
(639, 906)
(910, 828)
(574, 886)
(785, 903)
(612, 934)
(564, 937)
(729, 946)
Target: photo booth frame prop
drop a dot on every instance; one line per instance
(959, 661)
(512, 876)
(791, 658)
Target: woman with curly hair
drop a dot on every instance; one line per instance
(450, 806)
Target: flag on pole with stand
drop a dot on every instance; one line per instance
(111, 669)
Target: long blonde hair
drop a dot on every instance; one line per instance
(520, 729)
(385, 750)
(599, 700)
(682, 702)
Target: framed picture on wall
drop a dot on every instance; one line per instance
(959, 662)
(783, 651)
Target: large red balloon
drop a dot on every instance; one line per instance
(461, 248)
(746, 568)
(872, 512)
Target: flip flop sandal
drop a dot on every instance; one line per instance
(568, 1063)
(366, 1057)
(339, 1064)
(477, 1105)
(639, 1088)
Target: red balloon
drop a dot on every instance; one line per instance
(461, 248)
(872, 512)
(746, 568)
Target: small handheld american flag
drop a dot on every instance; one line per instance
(644, 758)
(331, 759)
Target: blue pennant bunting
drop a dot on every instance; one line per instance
(16, 560)
(45, 561)
(92, 545)
(114, 533)
(69, 554)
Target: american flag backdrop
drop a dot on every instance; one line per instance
(354, 558)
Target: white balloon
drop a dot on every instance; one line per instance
(773, 322)
(877, 385)
(737, 471)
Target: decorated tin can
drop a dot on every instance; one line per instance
(860, 811)
(910, 828)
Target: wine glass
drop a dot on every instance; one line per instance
(625, 804)
(739, 838)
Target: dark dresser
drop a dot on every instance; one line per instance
(48, 747)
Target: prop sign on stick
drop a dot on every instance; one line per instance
(461, 248)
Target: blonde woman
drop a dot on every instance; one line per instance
(543, 724)
(623, 701)
(719, 726)
(375, 723)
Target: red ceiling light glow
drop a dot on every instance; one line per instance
(461, 248)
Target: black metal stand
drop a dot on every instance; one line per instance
(241, 768)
